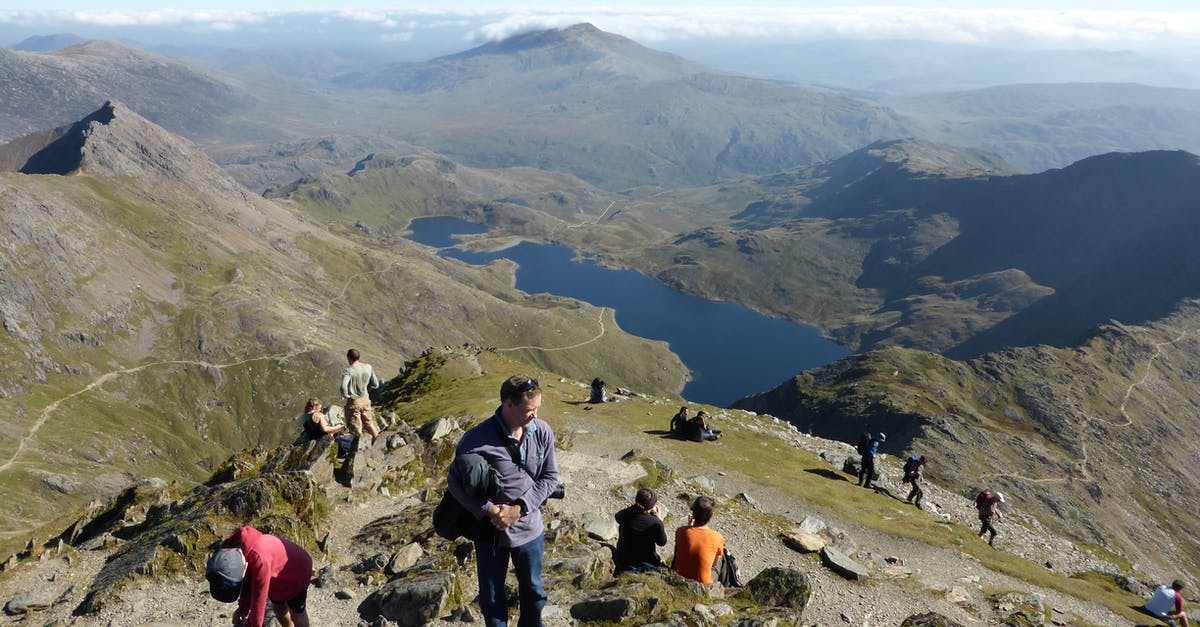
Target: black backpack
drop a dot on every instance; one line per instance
(864, 444)
(725, 571)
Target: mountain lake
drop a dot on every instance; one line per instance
(732, 351)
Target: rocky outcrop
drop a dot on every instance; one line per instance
(781, 587)
(116, 141)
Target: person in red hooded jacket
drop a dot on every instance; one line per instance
(251, 567)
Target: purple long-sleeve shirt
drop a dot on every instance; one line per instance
(530, 489)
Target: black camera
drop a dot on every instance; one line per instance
(559, 492)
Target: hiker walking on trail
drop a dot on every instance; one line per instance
(640, 532)
(251, 567)
(913, 468)
(357, 381)
(1167, 604)
(696, 546)
(520, 448)
(988, 504)
(868, 448)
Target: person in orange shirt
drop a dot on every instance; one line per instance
(697, 546)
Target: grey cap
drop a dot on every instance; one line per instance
(224, 572)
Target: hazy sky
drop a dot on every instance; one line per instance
(1104, 24)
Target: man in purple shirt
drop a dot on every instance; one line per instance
(520, 447)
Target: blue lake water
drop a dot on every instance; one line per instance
(732, 351)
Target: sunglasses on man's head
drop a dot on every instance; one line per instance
(529, 384)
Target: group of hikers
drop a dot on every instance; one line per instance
(357, 382)
(504, 471)
(987, 502)
(694, 428)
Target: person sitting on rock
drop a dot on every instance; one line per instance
(697, 429)
(599, 393)
(696, 546)
(679, 421)
(1167, 604)
(640, 531)
(251, 567)
(316, 423)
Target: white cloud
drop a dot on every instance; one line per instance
(1036, 27)
(401, 37)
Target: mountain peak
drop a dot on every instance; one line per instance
(535, 62)
(48, 43)
(116, 141)
(922, 157)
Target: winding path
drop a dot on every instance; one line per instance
(1082, 464)
(108, 376)
(561, 348)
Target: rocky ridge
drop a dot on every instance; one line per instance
(138, 559)
(47, 89)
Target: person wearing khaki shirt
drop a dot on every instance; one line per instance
(357, 379)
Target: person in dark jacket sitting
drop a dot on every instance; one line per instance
(679, 421)
(698, 430)
(640, 533)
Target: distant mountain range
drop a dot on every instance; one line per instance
(161, 316)
(48, 43)
(576, 100)
(46, 90)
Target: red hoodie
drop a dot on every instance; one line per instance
(276, 569)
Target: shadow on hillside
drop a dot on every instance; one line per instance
(886, 492)
(827, 473)
(668, 435)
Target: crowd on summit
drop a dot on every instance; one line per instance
(503, 472)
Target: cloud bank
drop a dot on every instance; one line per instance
(1075, 28)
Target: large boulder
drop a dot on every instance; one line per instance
(803, 541)
(609, 609)
(418, 600)
(780, 587)
(26, 602)
(841, 564)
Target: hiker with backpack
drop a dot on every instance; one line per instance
(912, 475)
(639, 534)
(868, 448)
(520, 448)
(988, 504)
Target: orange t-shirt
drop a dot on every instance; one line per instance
(696, 550)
